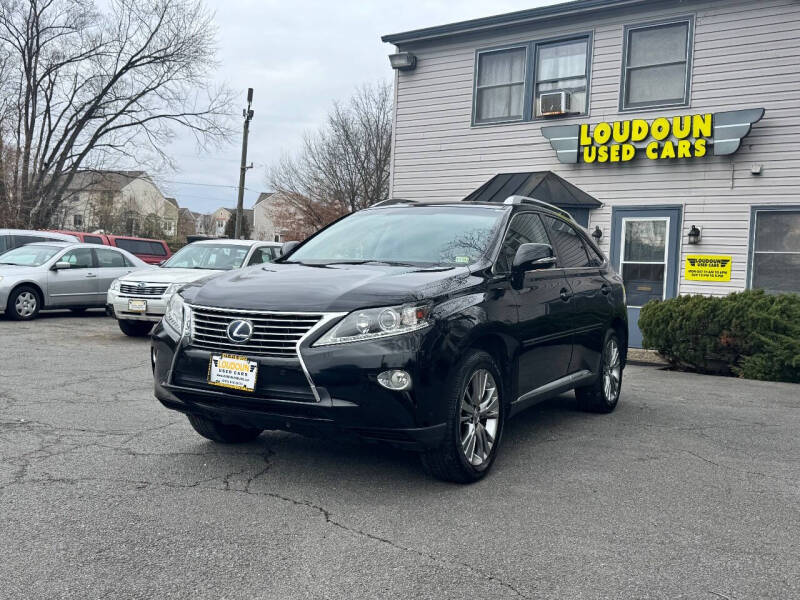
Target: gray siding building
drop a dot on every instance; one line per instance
(680, 118)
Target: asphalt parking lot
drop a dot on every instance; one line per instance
(691, 489)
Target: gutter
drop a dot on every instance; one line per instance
(522, 17)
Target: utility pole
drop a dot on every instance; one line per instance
(247, 113)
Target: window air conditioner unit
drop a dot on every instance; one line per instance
(553, 103)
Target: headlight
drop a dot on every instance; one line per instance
(372, 323)
(178, 315)
(114, 287)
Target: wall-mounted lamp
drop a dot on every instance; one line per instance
(694, 235)
(403, 61)
(597, 233)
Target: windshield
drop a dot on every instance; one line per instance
(29, 256)
(208, 256)
(418, 236)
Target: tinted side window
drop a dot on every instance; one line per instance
(5, 243)
(157, 249)
(80, 258)
(141, 247)
(568, 244)
(110, 259)
(92, 239)
(21, 240)
(595, 258)
(524, 229)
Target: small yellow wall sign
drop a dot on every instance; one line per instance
(705, 267)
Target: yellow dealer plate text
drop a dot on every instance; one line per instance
(706, 267)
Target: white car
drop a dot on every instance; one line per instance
(139, 299)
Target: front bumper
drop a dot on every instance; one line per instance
(117, 305)
(351, 402)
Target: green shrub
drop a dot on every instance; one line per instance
(750, 334)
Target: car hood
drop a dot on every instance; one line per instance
(168, 275)
(15, 271)
(332, 288)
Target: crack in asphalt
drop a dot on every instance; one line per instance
(227, 486)
(742, 471)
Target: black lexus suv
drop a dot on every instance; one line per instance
(422, 325)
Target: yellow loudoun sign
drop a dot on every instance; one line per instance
(708, 268)
(614, 142)
(664, 138)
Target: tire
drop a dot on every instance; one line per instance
(450, 462)
(222, 433)
(603, 395)
(24, 303)
(135, 328)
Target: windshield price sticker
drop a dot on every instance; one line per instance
(708, 268)
(232, 371)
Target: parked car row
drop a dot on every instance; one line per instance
(150, 251)
(67, 274)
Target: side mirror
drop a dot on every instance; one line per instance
(61, 265)
(533, 257)
(288, 247)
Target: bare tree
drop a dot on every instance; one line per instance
(341, 168)
(84, 89)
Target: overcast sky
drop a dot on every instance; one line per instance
(299, 56)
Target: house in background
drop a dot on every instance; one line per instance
(117, 202)
(264, 218)
(169, 223)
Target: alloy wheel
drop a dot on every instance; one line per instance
(480, 417)
(612, 371)
(25, 305)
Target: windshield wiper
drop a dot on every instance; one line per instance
(391, 263)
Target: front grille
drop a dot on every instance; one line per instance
(131, 289)
(274, 334)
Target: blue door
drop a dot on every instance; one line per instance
(645, 250)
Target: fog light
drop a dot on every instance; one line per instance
(395, 380)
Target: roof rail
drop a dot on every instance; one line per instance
(391, 201)
(527, 200)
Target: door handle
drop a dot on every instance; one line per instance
(90, 275)
(606, 289)
(565, 294)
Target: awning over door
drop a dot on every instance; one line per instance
(542, 185)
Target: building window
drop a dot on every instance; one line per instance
(77, 221)
(562, 67)
(776, 250)
(500, 85)
(656, 65)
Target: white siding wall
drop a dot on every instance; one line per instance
(746, 54)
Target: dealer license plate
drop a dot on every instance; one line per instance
(137, 305)
(232, 371)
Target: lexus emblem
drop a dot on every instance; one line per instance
(240, 331)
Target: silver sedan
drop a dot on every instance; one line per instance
(60, 275)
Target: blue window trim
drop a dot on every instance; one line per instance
(751, 246)
(687, 88)
(531, 51)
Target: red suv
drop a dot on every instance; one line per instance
(150, 251)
